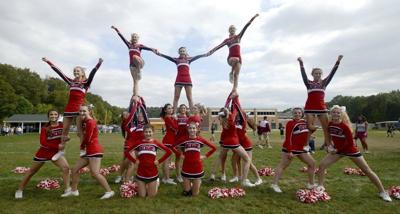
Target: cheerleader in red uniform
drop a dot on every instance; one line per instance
(50, 138)
(315, 104)
(198, 112)
(136, 62)
(230, 140)
(361, 132)
(293, 146)
(192, 169)
(171, 126)
(234, 57)
(91, 155)
(125, 164)
(78, 88)
(183, 79)
(146, 153)
(344, 146)
(241, 122)
(181, 135)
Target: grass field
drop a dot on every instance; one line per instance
(349, 193)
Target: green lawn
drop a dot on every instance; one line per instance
(349, 193)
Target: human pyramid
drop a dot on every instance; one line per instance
(183, 136)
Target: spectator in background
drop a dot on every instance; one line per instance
(361, 132)
(265, 130)
(281, 130)
(390, 130)
(18, 130)
(214, 127)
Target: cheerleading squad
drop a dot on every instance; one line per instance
(183, 136)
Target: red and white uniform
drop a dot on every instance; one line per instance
(342, 138)
(134, 134)
(264, 127)
(134, 127)
(315, 103)
(296, 136)
(134, 50)
(182, 133)
(77, 90)
(361, 130)
(146, 153)
(171, 126)
(91, 139)
(241, 126)
(183, 67)
(229, 137)
(233, 43)
(49, 141)
(192, 165)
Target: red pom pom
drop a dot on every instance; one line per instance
(104, 171)
(312, 196)
(217, 192)
(20, 170)
(128, 189)
(48, 184)
(113, 168)
(353, 171)
(394, 191)
(266, 171)
(83, 170)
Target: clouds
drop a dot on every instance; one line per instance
(78, 32)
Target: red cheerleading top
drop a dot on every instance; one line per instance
(192, 163)
(134, 50)
(52, 138)
(90, 139)
(296, 135)
(316, 91)
(77, 89)
(229, 137)
(195, 119)
(171, 127)
(146, 154)
(342, 138)
(183, 67)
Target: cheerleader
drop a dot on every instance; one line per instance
(125, 163)
(91, 155)
(78, 88)
(344, 146)
(171, 126)
(181, 135)
(315, 104)
(241, 122)
(198, 112)
(234, 58)
(192, 168)
(146, 153)
(293, 146)
(361, 132)
(136, 62)
(50, 138)
(183, 79)
(230, 140)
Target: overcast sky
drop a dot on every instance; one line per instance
(78, 32)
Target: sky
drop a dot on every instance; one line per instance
(78, 32)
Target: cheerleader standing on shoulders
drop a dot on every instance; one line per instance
(136, 61)
(50, 138)
(78, 88)
(315, 104)
(183, 79)
(171, 127)
(344, 146)
(146, 153)
(234, 58)
(91, 155)
(192, 169)
(293, 146)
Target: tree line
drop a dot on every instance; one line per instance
(380, 107)
(22, 91)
